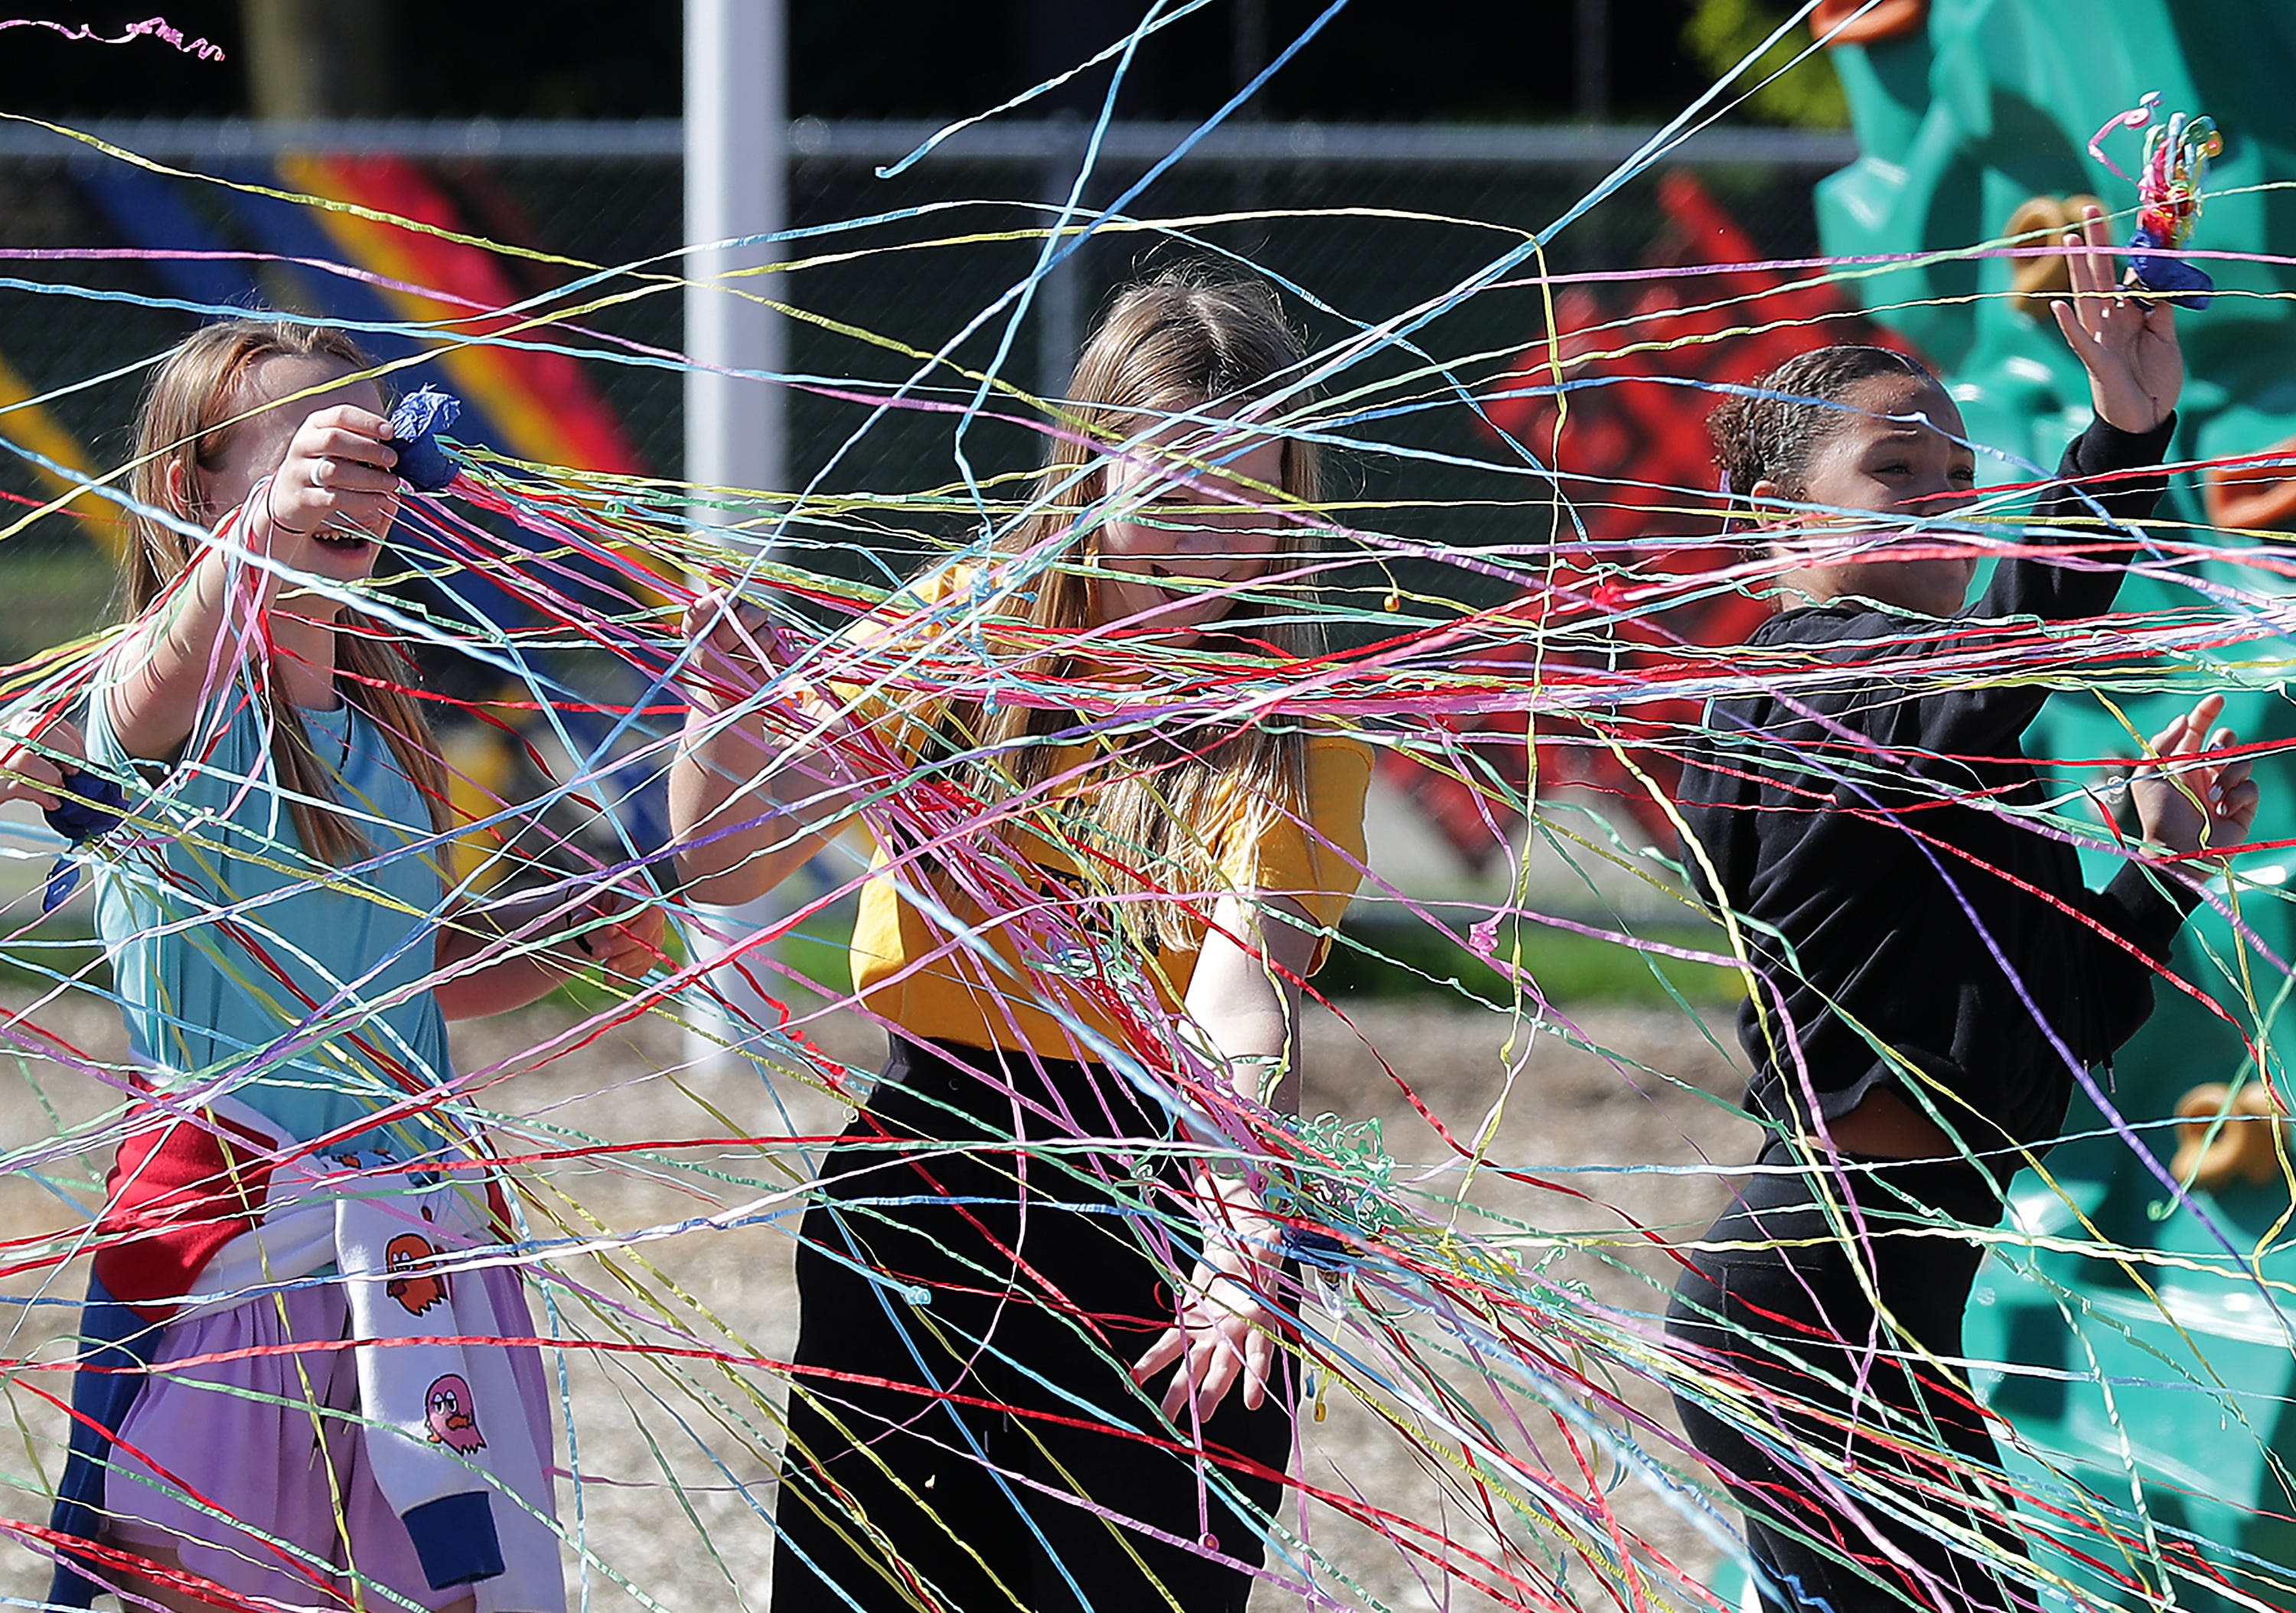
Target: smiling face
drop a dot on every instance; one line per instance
(1881, 458)
(1191, 516)
(254, 447)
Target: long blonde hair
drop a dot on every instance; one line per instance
(196, 397)
(1189, 339)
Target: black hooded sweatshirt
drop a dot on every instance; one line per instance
(1864, 817)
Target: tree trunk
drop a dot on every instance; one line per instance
(318, 58)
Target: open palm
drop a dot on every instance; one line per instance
(2187, 800)
(2127, 343)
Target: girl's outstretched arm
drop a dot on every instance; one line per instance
(336, 477)
(607, 930)
(1244, 1000)
(746, 809)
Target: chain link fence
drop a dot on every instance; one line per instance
(1364, 226)
(1435, 206)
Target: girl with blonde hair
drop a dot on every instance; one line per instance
(296, 1172)
(1085, 930)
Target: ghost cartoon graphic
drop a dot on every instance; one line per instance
(454, 1420)
(418, 1291)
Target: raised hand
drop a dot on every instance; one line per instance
(2127, 343)
(2187, 802)
(735, 647)
(737, 836)
(336, 485)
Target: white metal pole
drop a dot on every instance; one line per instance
(736, 185)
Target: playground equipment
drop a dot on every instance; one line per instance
(2143, 1344)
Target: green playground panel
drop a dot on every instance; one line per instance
(2167, 1412)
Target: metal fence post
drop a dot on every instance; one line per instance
(1060, 301)
(736, 185)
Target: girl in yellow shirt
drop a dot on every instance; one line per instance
(1093, 903)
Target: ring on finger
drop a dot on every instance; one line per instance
(321, 471)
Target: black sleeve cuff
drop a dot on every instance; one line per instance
(2146, 906)
(2105, 448)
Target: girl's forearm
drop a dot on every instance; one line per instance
(1244, 1001)
(1257, 1050)
(516, 976)
(744, 816)
(164, 665)
(500, 986)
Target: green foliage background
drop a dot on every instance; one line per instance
(1721, 33)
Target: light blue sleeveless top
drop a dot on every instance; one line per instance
(234, 954)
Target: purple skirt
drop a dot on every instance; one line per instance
(272, 1444)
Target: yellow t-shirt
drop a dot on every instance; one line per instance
(1018, 967)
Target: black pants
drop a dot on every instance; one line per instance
(1843, 1394)
(950, 1454)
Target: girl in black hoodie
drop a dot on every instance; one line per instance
(1929, 968)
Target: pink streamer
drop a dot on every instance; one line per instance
(156, 28)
